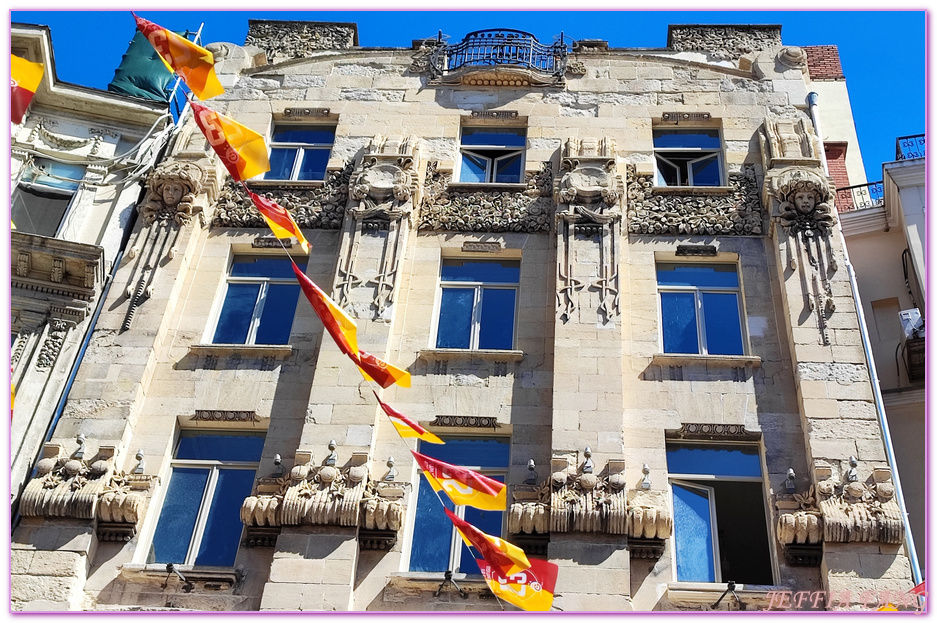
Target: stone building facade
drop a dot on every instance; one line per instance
(76, 178)
(668, 376)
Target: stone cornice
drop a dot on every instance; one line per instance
(60, 267)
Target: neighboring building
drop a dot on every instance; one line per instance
(78, 164)
(615, 275)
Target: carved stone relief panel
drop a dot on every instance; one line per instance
(53, 342)
(284, 40)
(382, 193)
(527, 211)
(724, 43)
(789, 142)
(588, 205)
(692, 213)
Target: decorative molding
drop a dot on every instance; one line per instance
(22, 264)
(306, 112)
(576, 68)
(215, 415)
(286, 40)
(692, 117)
(860, 512)
(486, 210)
(121, 506)
(171, 191)
(482, 247)
(713, 432)
(420, 59)
(530, 510)
(60, 141)
(789, 142)
(691, 212)
(650, 549)
(58, 270)
(52, 345)
(800, 521)
(494, 114)
(723, 43)
(793, 57)
(320, 207)
(649, 515)
(466, 421)
(587, 502)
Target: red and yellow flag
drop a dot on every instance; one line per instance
(918, 590)
(530, 589)
(339, 324)
(405, 426)
(242, 151)
(505, 558)
(192, 62)
(464, 486)
(280, 221)
(25, 77)
(384, 373)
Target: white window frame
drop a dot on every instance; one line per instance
(301, 149)
(698, 291)
(491, 168)
(705, 153)
(687, 480)
(477, 286)
(73, 194)
(265, 282)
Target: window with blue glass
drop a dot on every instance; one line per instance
(701, 309)
(300, 152)
(436, 544)
(43, 196)
(259, 301)
(720, 523)
(199, 522)
(688, 157)
(478, 304)
(492, 155)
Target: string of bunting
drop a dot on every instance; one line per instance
(527, 583)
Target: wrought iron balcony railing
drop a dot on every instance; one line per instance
(860, 197)
(502, 47)
(910, 147)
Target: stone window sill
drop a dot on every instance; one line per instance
(280, 351)
(210, 578)
(451, 354)
(728, 361)
(753, 596)
(428, 581)
(275, 184)
(692, 190)
(470, 187)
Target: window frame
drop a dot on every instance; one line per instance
(259, 303)
(208, 494)
(699, 308)
(696, 481)
(38, 186)
(455, 540)
(478, 287)
(491, 172)
(301, 149)
(705, 153)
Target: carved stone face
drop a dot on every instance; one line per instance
(172, 193)
(805, 201)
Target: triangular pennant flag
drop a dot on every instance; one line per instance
(194, 64)
(405, 426)
(25, 77)
(464, 486)
(242, 151)
(280, 221)
(504, 558)
(530, 589)
(918, 590)
(339, 324)
(378, 370)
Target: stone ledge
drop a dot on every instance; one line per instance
(280, 351)
(437, 354)
(430, 581)
(729, 361)
(753, 596)
(693, 190)
(207, 575)
(471, 187)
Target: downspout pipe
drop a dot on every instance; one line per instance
(812, 98)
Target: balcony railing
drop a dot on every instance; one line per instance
(910, 147)
(512, 48)
(860, 197)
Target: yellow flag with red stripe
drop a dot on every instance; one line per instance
(463, 486)
(242, 151)
(340, 325)
(406, 427)
(531, 589)
(279, 220)
(25, 77)
(506, 558)
(194, 64)
(380, 371)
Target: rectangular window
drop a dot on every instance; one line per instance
(720, 525)
(200, 519)
(43, 196)
(259, 301)
(300, 152)
(701, 309)
(436, 544)
(688, 157)
(478, 304)
(493, 155)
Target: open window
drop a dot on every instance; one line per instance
(492, 155)
(688, 157)
(43, 196)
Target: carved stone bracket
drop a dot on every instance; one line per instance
(690, 212)
(859, 511)
(285, 40)
(649, 515)
(121, 506)
(53, 343)
(723, 42)
(789, 142)
(487, 210)
(587, 502)
(319, 207)
(587, 196)
(799, 519)
(171, 191)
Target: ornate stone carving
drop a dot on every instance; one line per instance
(466, 421)
(216, 415)
(799, 519)
(62, 142)
(858, 511)
(530, 511)
(121, 506)
(55, 339)
(587, 502)
(312, 208)
(724, 43)
(22, 264)
(693, 213)
(492, 211)
(793, 57)
(588, 201)
(19, 346)
(420, 59)
(58, 270)
(384, 505)
(171, 191)
(805, 199)
(649, 515)
(67, 487)
(576, 68)
(737, 432)
(285, 40)
(789, 142)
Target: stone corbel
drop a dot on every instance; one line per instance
(789, 142)
(587, 502)
(383, 508)
(67, 486)
(649, 522)
(859, 511)
(122, 505)
(800, 527)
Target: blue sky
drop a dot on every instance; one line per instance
(882, 52)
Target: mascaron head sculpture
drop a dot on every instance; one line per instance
(805, 199)
(171, 191)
